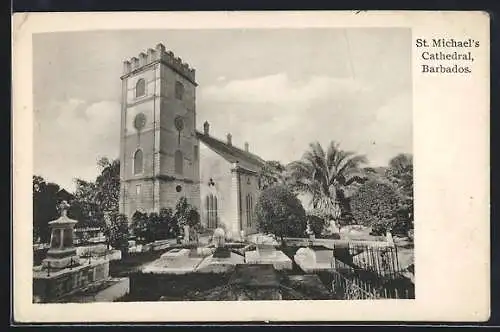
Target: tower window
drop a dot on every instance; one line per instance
(179, 90)
(211, 206)
(195, 153)
(179, 162)
(140, 88)
(138, 162)
(138, 190)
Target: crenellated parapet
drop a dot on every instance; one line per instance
(159, 54)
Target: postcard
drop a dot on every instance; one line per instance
(251, 166)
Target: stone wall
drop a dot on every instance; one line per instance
(213, 166)
(48, 288)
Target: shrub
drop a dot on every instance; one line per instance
(317, 224)
(140, 226)
(166, 224)
(280, 212)
(117, 232)
(376, 204)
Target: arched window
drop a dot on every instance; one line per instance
(249, 210)
(195, 153)
(140, 88)
(179, 162)
(179, 90)
(138, 162)
(211, 206)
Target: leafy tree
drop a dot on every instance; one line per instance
(181, 211)
(280, 212)
(194, 223)
(166, 224)
(107, 186)
(168, 227)
(271, 174)
(86, 208)
(117, 232)
(186, 215)
(376, 204)
(141, 226)
(45, 200)
(96, 201)
(317, 224)
(400, 173)
(193, 218)
(327, 176)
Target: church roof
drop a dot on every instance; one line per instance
(230, 152)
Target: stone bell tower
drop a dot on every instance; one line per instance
(159, 152)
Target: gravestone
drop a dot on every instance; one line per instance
(266, 253)
(186, 234)
(219, 240)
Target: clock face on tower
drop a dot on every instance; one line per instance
(140, 121)
(179, 123)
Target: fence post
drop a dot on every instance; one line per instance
(396, 293)
(48, 268)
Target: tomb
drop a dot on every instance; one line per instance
(223, 259)
(62, 272)
(219, 240)
(266, 253)
(311, 261)
(175, 261)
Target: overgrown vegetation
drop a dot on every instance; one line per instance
(375, 204)
(280, 212)
(117, 232)
(167, 224)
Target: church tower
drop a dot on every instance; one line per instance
(159, 152)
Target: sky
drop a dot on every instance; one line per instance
(278, 89)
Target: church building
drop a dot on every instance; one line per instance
(164, 157)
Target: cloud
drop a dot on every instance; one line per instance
(70, 136)
(276, 115)
(280, 117)
(279, 89)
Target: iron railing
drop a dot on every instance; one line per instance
(369, 272)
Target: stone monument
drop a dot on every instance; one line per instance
(62, 253)
(62, 273)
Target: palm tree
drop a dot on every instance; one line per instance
(326, 177)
